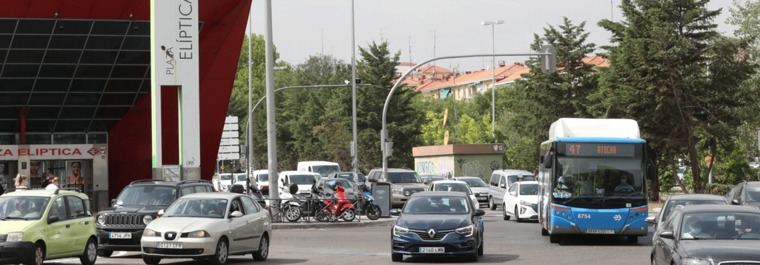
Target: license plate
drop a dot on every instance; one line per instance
(172, 245)
(432, 250)
(600, 231)
(120, 236)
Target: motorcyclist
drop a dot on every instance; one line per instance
(340, 194)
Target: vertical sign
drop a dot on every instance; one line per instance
(174, 62)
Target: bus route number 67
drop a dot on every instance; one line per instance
(584, 216)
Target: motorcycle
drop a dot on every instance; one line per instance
(331, 213)
(367, 206)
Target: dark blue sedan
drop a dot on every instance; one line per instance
(438, 224)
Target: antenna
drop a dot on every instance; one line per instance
(410, 48)
(434, 42)
(323, 41)
(612, 8)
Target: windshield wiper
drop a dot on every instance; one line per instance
(13, 218)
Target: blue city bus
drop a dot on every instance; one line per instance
(593, 184)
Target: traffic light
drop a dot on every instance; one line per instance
(548, 62)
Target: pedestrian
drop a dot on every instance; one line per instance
(21, 182)
(53, 184)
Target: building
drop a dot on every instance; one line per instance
(464, 86)
(75, 90)
(457, 160)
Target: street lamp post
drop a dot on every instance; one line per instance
(493, 24)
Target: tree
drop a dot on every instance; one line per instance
(377, 67)
(671, 71)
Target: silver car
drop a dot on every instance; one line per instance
(208, 226)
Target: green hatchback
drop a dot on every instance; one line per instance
(42, 224)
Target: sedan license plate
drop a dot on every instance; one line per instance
(432, 250)
(120, 236)
(172, 245)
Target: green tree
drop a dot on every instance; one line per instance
(377, 67)
(671, 71)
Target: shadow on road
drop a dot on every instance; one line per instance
(486, 258)
(598, 240)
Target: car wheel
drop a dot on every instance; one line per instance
(517, 215)
(105, 253)
(38, 256)
(506, 216)
(292, 213)
(480, 248)
(222, 250)
(90, 254)
(397, 257)
(491, 204)
(263, 253)
(151, 260)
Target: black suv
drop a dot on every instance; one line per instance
(121, 227)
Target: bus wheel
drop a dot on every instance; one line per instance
(554, 238)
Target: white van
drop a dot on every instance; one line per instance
(501, 180)
(303, 179)
(261, 177)
(323, 168)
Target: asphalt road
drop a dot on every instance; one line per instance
(507, 242)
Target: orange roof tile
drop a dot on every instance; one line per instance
(504, 72)
(596, 60)
(433, 69)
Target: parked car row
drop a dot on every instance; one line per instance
(161, 219)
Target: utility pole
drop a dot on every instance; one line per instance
(493, 74)
(271, 122)
(354, 150)
(249, 127)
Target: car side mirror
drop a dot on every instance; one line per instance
(735, 202)
(667, 234)
(53, 219)
(651, 220)
(480, 212)
(161, 212)
(236, 214)
(113, 202)
(395, 212)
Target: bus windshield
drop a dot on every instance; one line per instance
(579, 178)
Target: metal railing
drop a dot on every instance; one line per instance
(311, 210)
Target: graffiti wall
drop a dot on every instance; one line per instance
(458, 165)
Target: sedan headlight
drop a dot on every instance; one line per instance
(466, 231)
(101, 219)
(397, 230)
(695, 261)
(524, 203)
(150, 233)
(147, 219)
(14, 237)
(198, 234)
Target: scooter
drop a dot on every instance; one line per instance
(331, 213)
(367, 206)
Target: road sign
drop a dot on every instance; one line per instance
(231, 134)
(230, 141)
(229, 149)
(230, 127)
(228, 156)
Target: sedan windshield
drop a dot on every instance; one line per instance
(474, 183)
(529, 189)
(458, 187)
(302, 179)
(196, 207)
(24, 208)
(721, 226)
(437, 205)
(675, 203)
(147, 196)
(403, 177)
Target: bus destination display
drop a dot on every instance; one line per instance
(599, 149)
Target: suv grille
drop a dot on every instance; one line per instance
(124, 219)
(425, 236)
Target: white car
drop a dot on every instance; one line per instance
(223, 182)
(323, 168)
(303, 179)
(457, 186)
(208, 226)
(261, 177)
(479, 189)
(521, 201)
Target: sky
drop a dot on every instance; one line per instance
(431, 28)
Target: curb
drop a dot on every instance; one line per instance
(288, 226)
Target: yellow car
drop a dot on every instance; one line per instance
(36, 225)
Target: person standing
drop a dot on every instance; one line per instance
(21, 182)
(53, 184)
